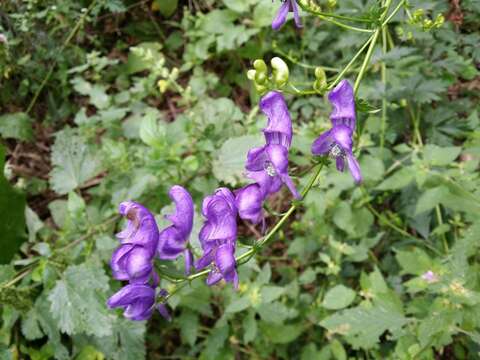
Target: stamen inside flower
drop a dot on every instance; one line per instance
(270, 169)
(336, 151)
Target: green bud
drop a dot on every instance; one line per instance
(427, 24)
(260, 66)
(280, 71)
(251, 74)
(261, 77)
(320, 75)
(260, 88)
(439, 20)
(417, 15)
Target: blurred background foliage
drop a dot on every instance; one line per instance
(109, 100)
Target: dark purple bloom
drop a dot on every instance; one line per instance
(337, 142)
(173, 240)
(218, 236)
(133, 259)
(136, 299)
(281, 17)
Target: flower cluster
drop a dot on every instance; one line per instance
(281, 18)
(140, 242)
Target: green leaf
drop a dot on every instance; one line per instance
(249, 327)
(276, 312)
(166, 7)
(97, 93)
(152, 132)
(338, 297)
(270, 293)
(281, 334)
(229, 163)
(12, 213)
(440, 156)
(238, 305)
(189, 326)
(73, 162)
(415, 262)
(78, 301)
(215, 342)
(362, 326)
(430, 198)
(16, 126)
(398, 180)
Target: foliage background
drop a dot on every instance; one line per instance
(141, 96)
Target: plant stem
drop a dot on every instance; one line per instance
(438, 212)
(366, 61)
(384, 82)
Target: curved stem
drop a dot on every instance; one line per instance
(246, 256)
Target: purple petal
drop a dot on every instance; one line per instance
(342, 135)
(322, 144)
(281, 16)
(225, 261)
(141, 226)
(279, 126)
(278, 156)
(256, 159)
(249, 200)
(118, 262)
(354, 168)
(183, 217)
(340, 163)
(187, 254)
(129, 294)
(213, 278)
(162, 309)
(342, 99)
(296, 15)
(171, 244)
(205, 260)
(139, 265)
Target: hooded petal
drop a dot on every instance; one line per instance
(342, 99)
(279, 126)
(323, 143)
(182, 219)
(354, 168)
(268, 184)
(141, 227)
(171, 244)
(249, 200)
(281, 16)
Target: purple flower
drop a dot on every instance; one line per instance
(173, 240)
(136, 299)
(133, 259)
(279, 126)
(281, 17)
(337, 142)
(218, 236)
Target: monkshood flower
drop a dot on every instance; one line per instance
(337, 142)
(218, 236)
(249, 201)
(173, 240)
(139, 240)
(281, 17)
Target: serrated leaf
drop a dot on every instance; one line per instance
(430, 198)
(16, 126)
(363, 326)
(415, 262)
(229, 163)
(338, 297)
(398, 180)
(249, 327)
(281, 334)
(188, 326)
(73, 162)
(78, 301)
(270, 293)
(440, 156)
(239, 304)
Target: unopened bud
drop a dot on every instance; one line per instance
(280, 71)
(260, 66)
